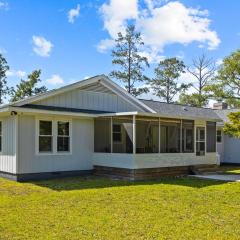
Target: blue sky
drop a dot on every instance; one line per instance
(70, 40)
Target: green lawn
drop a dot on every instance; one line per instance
(98, 208)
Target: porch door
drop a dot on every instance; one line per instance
(200, 141)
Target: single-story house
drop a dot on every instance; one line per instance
(96, 126)
(228, 147)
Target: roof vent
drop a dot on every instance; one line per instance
(185, 109)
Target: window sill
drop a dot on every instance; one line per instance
(54, 154)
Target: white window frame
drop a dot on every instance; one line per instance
(218, 135)
(54, 121)
(121, 132)
(63, 152)
(199, 141)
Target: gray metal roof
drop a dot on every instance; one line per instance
(63, 109)
(183, 111)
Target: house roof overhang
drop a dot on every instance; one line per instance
(160, 115)
(104, 80)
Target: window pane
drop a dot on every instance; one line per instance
(211, 137)
(187, 136)
(45, 128)
(117, 137)
(170, 136)
(147, 135)
(116, 127)
(117, 133)
(200, 151)
(126, 145)
(219, 136)
(63, 128)
(102, 135)
(1, 128)
(63, 144)
(45, 144)
(200, 134)
(0, 143)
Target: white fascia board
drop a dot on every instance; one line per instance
(57, 91)
(178, 117)
(49, 112)
(101, 78)
(117, 114)
(153, 115)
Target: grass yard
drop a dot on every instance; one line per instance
(99, 208)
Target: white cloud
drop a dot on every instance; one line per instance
(175, 23)
(219, 62)
(16, 73)
(73, 14)
(104, 45)
(116, 13)
(55, 79)
(160, 23)
(42, 46)
(4, 5)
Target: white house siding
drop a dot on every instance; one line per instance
(89, 100)
(118, 160)
(79, 159)
(140, 161)
(231, 150)
(8, 155)
(172, 160)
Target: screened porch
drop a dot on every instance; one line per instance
(131, 140)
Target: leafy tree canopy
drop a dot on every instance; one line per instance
(194, 99)
(165, 84)
(226, 85)
(4, 89)
(232, 128)
(28, 87)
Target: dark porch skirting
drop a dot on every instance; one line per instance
(152, 173)
(44, 175)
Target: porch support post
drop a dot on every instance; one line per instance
(181, 137)
(159, 135)
(134, 134)
(111, 137)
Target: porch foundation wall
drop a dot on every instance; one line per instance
(150, 173)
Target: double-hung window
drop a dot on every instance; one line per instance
(63, 138)
(45, 136)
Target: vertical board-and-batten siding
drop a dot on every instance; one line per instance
(94, 97)
(8, 155)
(80, 157)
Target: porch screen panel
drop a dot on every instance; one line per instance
(102, 135)
(147, 135)
(170, 135)
(211, 137)
(187, 136)
(122, 134)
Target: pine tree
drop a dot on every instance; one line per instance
(165, 84)
(4, 89)
(126, 55)
(27, 88)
